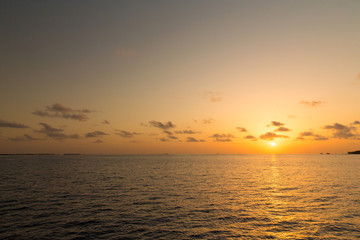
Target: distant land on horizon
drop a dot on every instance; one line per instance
(354, 152)
(73, 154)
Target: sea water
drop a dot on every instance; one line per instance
(180, 197)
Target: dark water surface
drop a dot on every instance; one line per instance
(180, 197)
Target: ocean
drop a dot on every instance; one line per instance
(180, 197)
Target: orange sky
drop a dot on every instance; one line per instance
(180, 77)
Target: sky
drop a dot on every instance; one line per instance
(180, 77)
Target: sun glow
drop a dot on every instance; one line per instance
(273, 144)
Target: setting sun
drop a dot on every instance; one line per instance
(180, 119)
(158, 86)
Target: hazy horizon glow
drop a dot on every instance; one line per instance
(180, 76)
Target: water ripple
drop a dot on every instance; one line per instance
(180, 197)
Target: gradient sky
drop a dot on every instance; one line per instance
(180, 76)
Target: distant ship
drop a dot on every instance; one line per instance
(355, 152)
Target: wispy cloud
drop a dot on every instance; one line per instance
(58, 110)
(105, 122)
(7, 124)
(30, 138)
(309, 135)
(269, 136)
(99, 141)
(279, 125)
(275, 124)
(241, 129)
(213, 96)
(55, 133)
(163, 126)
(191, 139)
(187, 132)
(251, 137)
(26, 137)
(126, 134)
(95, 134)
(172, 137)
(341, 131)
(282, 129)
(222, 137)
(17, 139)
(312, 103)
(144, 124)
(207, 121)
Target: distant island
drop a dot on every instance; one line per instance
(355, 152)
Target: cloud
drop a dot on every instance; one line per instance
(241, 129)
(55, 133)
(311, 103)
(95, 134)
(306, 134)
(358, 77)
(48, 128)
(269, 136)
(17, 139)
(169, 135)
(26, 137)
(356, 122)
(318, 137)
(172, 137)
(213, 96)
(11, 124)
(282, 129)
(191, 139)
(222, 137)
(186, 132)
(57, 110)
(207, 121)
(275, 124)
(99, 141)
(311, 136)
(251, 137)
(340, 130)
(161, 125)
(41, 113)
(126, 134)
(125, 52)
(105, 122)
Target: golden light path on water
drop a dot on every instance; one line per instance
(181, 197)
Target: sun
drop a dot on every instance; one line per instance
(273, 144)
